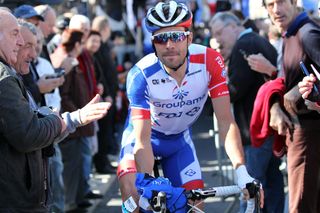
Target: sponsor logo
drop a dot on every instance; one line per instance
(165, 80)
(224, 73)
(190, 172)
(170, 115)
(223, 93)
(193, 111)
(179, 104)
(155, 81)
(219, 61)
(160, 81)
(180, 94)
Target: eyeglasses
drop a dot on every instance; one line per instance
(174, 36)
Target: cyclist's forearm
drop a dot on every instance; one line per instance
(233, 145)
(144, 158)
(142, 149)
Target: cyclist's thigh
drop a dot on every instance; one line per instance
(182, 167)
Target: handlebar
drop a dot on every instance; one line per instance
(158, 202)
(159, 194)
(200, 194)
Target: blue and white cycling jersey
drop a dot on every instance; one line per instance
(153, 92)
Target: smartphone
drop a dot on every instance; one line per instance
(57, 74)
(306, 72)
(315, 71)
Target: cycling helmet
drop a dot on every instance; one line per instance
(168, 15)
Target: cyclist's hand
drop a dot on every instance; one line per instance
(253, 194)
(261, 197)
(244, 178)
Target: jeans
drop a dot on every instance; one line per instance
(86, 154)
(264, 166)
(76, 155)
(56, 181)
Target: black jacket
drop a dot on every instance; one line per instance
(244, 83)
(106, 71)
(22, 136)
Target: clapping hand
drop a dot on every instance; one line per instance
(94, 110)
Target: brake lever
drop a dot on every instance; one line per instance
(254, 192)
(198, 194)
(253, 188)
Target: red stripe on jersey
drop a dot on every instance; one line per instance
(140, 114)
(215, 66)
(199, 58)
(194, 184)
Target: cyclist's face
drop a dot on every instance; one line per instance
(172, 45)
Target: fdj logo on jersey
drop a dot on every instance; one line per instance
(170, 115)
(190, 113)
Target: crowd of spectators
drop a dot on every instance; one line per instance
(83, 50)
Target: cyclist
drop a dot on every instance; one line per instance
(167, 90)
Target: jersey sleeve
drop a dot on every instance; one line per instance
(138, 94)
(217, 74)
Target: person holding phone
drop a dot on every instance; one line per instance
(236, 44)
(293, 119)
(306, 88)
(309, 87)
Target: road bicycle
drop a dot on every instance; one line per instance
(159, 196)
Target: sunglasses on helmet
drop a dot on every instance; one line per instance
(174, 36)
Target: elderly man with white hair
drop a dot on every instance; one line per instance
(26, 129)
(80, 22)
